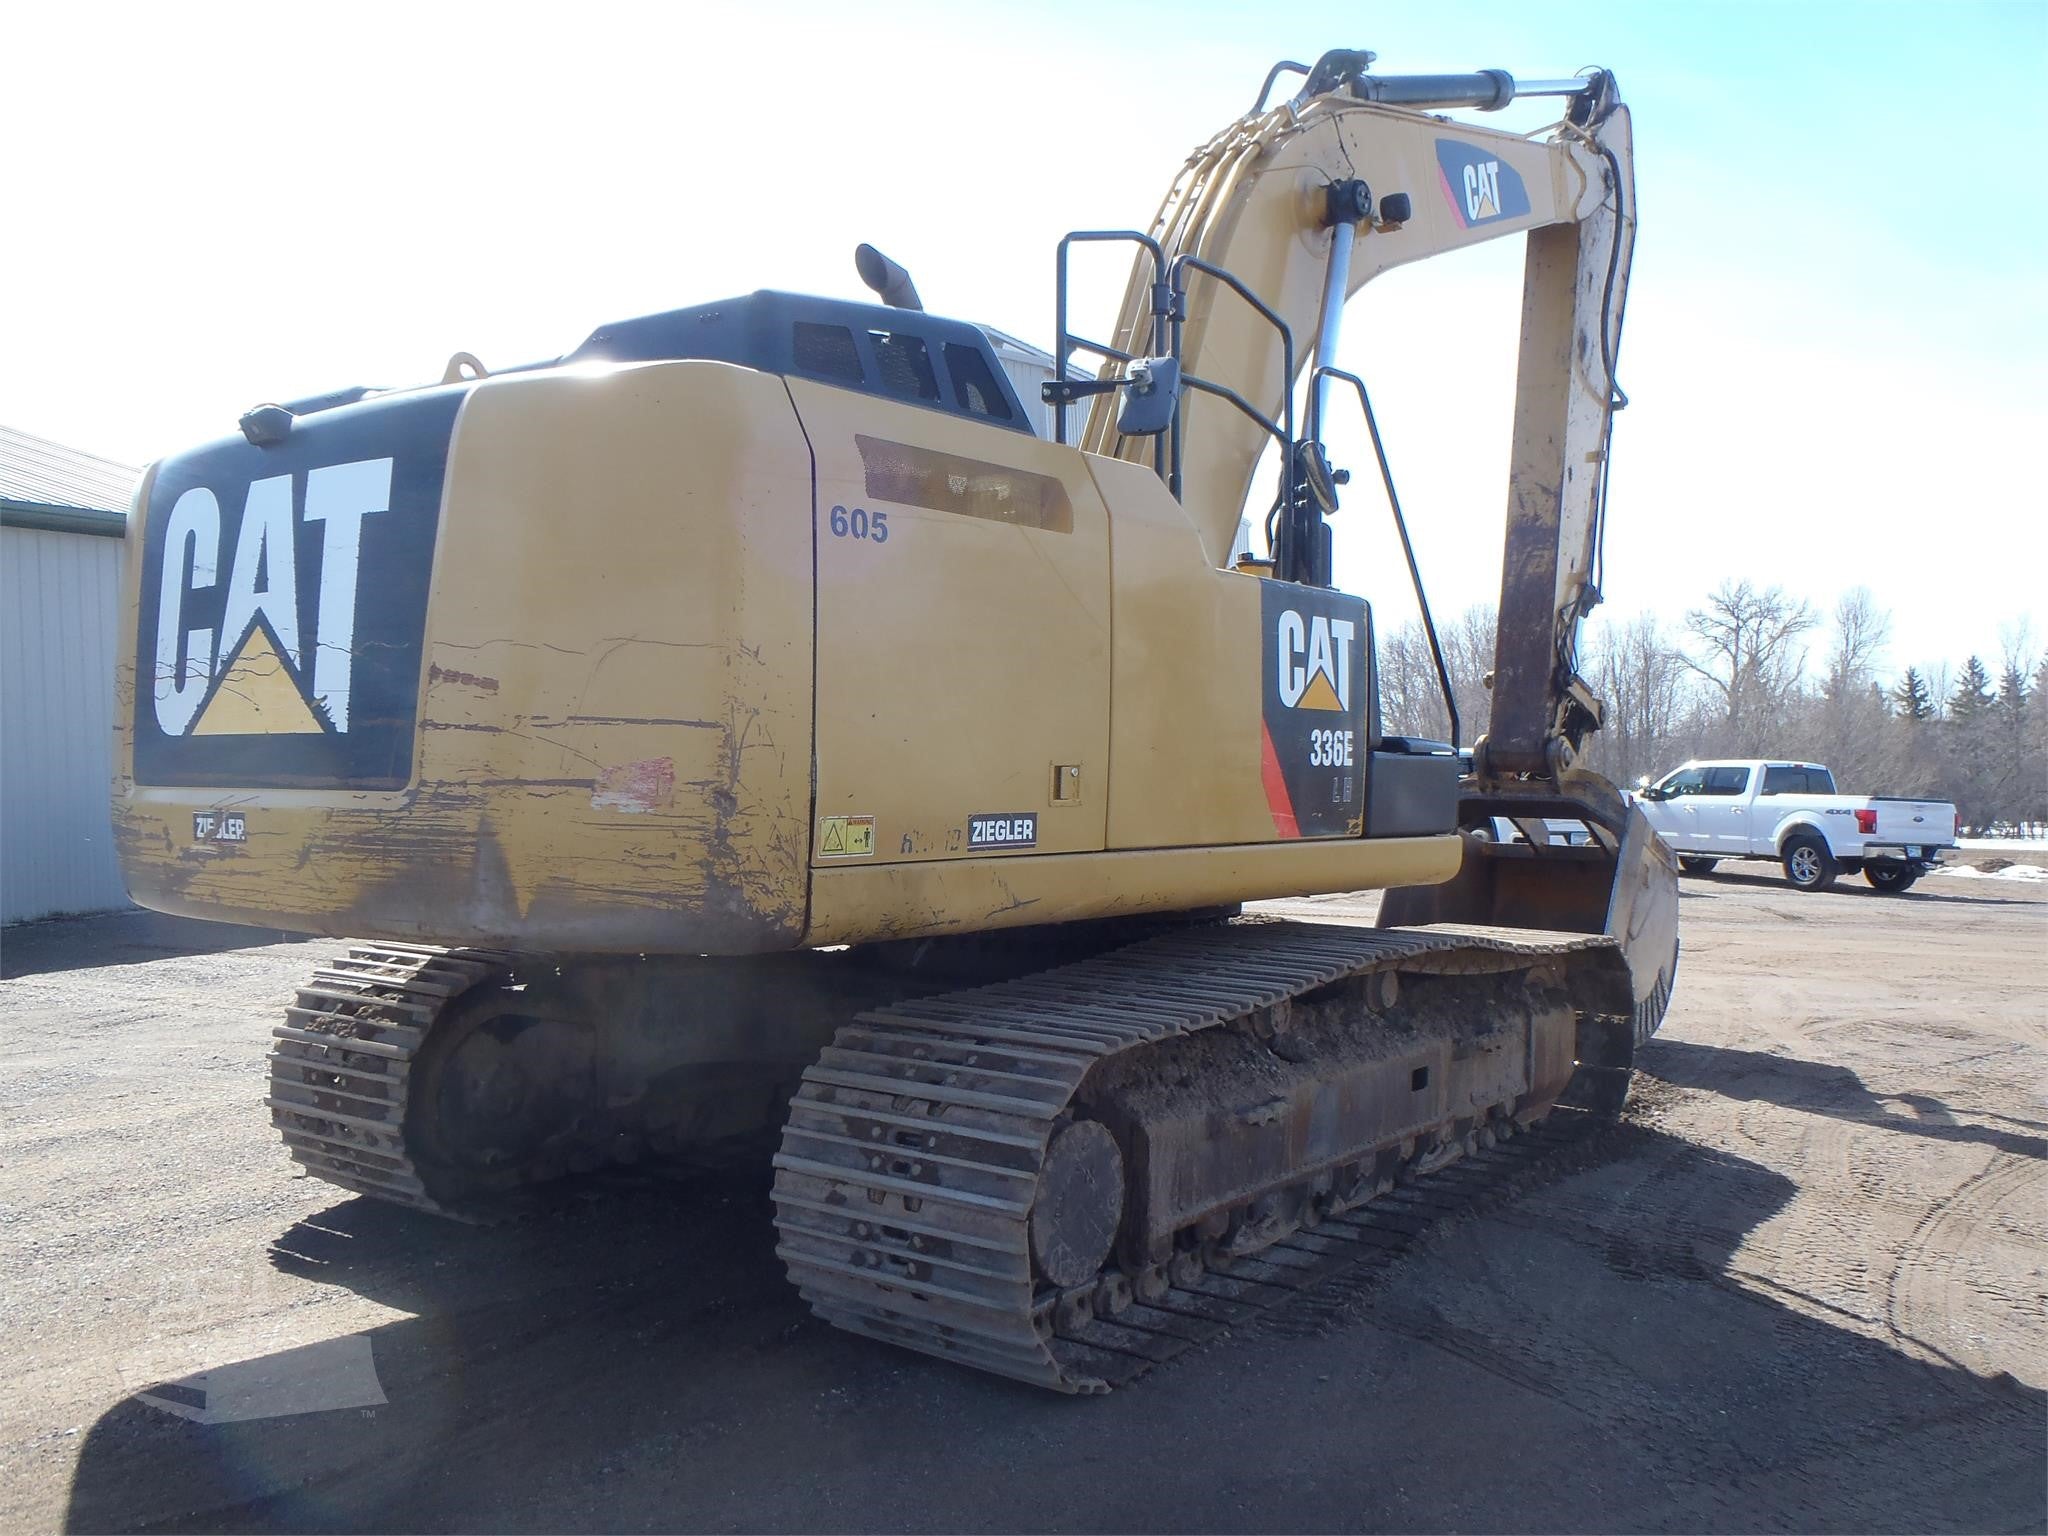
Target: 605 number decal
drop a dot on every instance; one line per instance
(860, 523)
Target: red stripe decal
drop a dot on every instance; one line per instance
(1277, 798)
(1457, 203)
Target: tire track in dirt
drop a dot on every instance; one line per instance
(1939, 1275)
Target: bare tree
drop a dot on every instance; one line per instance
(1411, 694)
(1732, 683)
(1862, 630)
(2016, 645)
(1468, 653)
(1646, 684)
(1850, 723)
(1410, 697)
(1940, 686)
(1750, 656)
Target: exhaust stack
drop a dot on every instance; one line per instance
(890, 281)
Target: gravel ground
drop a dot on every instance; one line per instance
(1802, 1288)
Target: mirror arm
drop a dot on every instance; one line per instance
(1067, 391)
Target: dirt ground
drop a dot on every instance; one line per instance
(1803, 1288)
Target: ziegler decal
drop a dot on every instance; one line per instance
(220, 827)
(284, 599)
(1317, 677)
(1480, 188)
(1015, 829)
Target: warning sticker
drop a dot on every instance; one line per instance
(846, 837)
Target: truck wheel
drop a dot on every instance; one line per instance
(1891, 878)
(1808, 864)
(1697, 866)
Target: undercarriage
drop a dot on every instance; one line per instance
(1035, 1173)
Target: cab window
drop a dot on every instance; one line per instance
(974, 386)
(1687, 781)
(1798, 781)
(826, 352)
(1727, 781)
(905, 364)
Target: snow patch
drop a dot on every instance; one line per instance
(2033, 872)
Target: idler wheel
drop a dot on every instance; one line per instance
(1080, 1203)
(498, 1096)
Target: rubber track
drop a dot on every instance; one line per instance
(908, 1165)
(341, 1063)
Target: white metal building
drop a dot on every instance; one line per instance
(1029, 367)
(62, 516)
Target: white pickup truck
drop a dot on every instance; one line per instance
(1789, 812)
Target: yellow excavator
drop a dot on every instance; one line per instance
(751, 720)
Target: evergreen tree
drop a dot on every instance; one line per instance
(2012, 692)
(2009, 745)
(1973, 692)
(1910, 698)
(2033, 784)
(1970, 759)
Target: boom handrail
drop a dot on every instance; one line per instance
(1436, 651)
(1177, 285)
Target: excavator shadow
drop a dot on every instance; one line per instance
(1766, 877)
(133, 937)
(1824, 1089)
(635, 1359)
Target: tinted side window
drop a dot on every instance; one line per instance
(1727, 781)
(1819, 782)
(974, 387)
(1690, 782)
(1784, 781)
(905, 364)
(826, 352)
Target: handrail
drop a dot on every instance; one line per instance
(1065, 342)
(1225, 392)
(1177, 285)
(1436, 651)
(1168, 305)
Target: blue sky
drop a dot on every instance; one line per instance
(1834, 345)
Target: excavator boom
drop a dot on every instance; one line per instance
(1257, 201)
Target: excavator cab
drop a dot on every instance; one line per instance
(895, 354)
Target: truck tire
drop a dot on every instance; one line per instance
(1808, 864)
(1693, 866)
(1891, 878)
